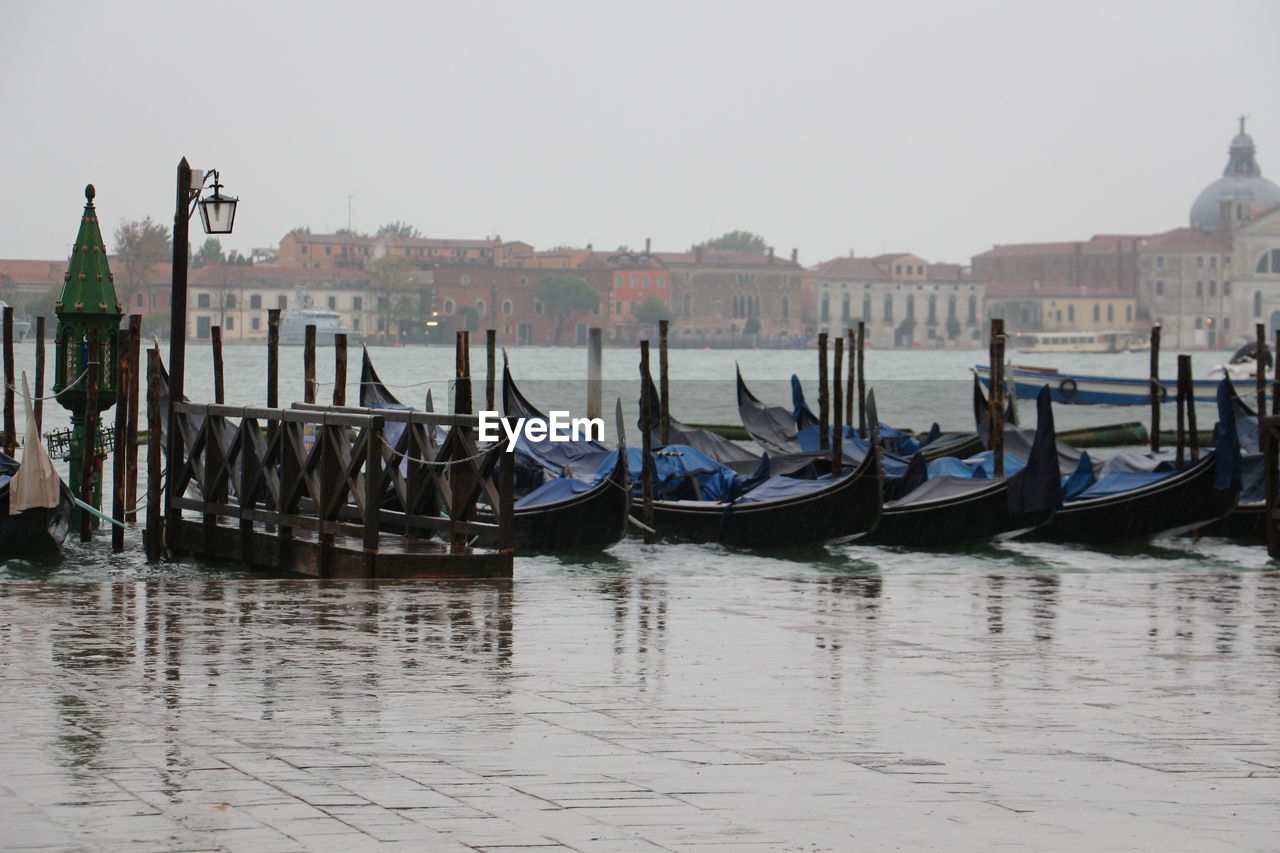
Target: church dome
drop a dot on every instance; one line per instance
(1242, 190)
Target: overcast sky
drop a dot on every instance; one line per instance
(935, 127)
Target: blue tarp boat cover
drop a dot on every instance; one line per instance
(675, 463)
(555, 490)
(776, 488)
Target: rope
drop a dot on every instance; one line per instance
(433, 464)
(14, 388)
(92, 510)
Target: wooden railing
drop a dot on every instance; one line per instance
(334, 473)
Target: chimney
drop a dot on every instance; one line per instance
(795, 256)
(647, 243)
(770, 254)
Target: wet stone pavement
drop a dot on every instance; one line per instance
(1039, 711)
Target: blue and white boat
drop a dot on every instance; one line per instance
(1083, 389)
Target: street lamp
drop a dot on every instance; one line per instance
(217, 213)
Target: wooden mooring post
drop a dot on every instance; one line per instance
(461, 406)
(340, 369)
(10, 419)
(153, 533)
(595, 362)
(1193, 435)
(664, 384)
(1157, 390)
(824, 399)
(862, 381)
(309, 364)
(490, 369)
(837, 409)
(219, 380)
(1180, 403)
(646, 444)
(120, 451)
(131, 423)
(39, 392)
(273, 357)
(850, 383)
(995, 396)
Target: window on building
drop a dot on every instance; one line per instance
(688, 304)
(1200, 261)
(973, 309)
(538, 307)
(1226, 323)
(466, 280)
(202, 300)
(1226, 288)
(357, 303)
(230, 300)
(1199, 288)
(304, 250)
(911, 306)
(1128, 313)
(137, 299)
(844, 309)
(825, 314)
(231, 323)
(888, 309)
(1071, 313)
(1160, 261)
(332, 302)
(933, 310)
(1213, 288)
(617, 308)
(1269, 263)
(507, 307)
(1111, 313)
(1097, 312)
(255, 301)
(1257, 303)
(480, 306)
(1199, 322)
(328, 250)
(255, 323)
(866, 308)
(448, 306)
(951, 308)
(282, 302)
(786, 307)
(1213, 262)
(1159, 288)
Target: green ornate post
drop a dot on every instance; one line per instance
(88, 301)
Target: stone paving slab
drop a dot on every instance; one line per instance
(1105, 711)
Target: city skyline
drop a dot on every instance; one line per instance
(940, 131)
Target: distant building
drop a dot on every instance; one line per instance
(903, 299)
(350, 251)
(1072, 286)
(735, 298)
(237, 298)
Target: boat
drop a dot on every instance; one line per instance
(560, 514)
(795, 432)
(293, 327)
(1109, 340)
(1084, 389)
(1243, 364)
(967, 505)
(35, 503)
(1140, 495)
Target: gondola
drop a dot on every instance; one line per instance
(563, 513)
(945, 511)
(34, 532)
(1133, 504)
(1248, 520)
(781, 512)
(780, 431)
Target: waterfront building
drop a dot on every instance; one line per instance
(903, 299)
(735, 298)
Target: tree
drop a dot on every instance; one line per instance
(399, 229)
(210, 253)
(393, 282)
(652, 310)
(139, 247)
(740, 241)
(301, 229)
(565, 295)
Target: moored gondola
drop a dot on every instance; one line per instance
(1130, 504)
(948, 510)
(566, 514)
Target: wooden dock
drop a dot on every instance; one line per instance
(326, 493)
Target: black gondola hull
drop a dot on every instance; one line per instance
(592, 520)
(1183, 502)
(849, 508)
(35, 532)
(983, 514)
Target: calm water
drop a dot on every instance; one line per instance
(914, 388)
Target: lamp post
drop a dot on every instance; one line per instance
(217, 214)
(87, 310)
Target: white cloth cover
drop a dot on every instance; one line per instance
(37, 483)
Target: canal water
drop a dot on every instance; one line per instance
(914, 388)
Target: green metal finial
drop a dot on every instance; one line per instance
(89, 192)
